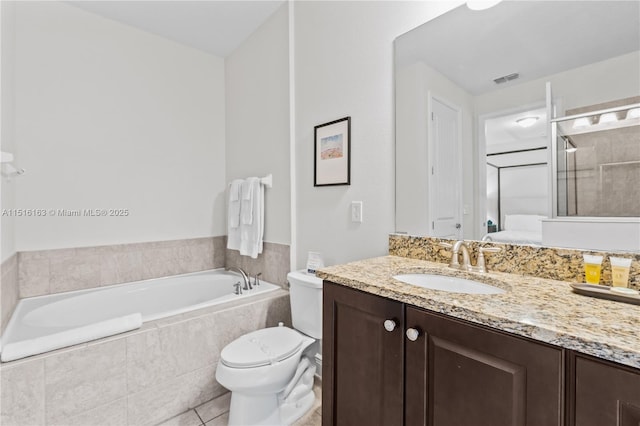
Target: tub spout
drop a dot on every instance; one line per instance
(245, 277)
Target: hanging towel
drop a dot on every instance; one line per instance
(233, 214)
(252, 218)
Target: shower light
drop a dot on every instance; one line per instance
(481, 4)
(527, 121)
(609, 117)
(633, 113)
(581, 122)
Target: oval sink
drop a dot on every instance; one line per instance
(450, 284)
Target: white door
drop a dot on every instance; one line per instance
(445, 199)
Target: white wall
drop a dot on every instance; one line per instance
(108, 116)
(7, 123)
(414, 84)
(257, 118)
(344, 67)
(604, 81)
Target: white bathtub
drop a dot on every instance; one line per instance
(44, 323)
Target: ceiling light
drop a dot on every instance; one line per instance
(633, 113)
(582, 122)
(609, 117)
(527, 121)
(481, 4)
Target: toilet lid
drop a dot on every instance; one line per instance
(261, 347)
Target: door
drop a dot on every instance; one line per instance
(464, 375)
(362, 358)
(445, 180)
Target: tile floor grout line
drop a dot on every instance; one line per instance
(198, 414)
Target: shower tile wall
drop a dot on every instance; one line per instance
(54, 271)
(141, 377)
(9, 291)
(273, 263)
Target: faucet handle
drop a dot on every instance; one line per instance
(481, 265)
(256, 278)
(238, 287)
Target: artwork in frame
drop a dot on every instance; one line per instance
(332, 153)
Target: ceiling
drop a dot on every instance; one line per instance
(216, 27)
(533, 38)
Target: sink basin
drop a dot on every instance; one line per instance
(450, 284)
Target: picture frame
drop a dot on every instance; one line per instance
(332, 153)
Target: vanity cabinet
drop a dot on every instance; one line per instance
(362, 362)
(446, 373)
(603, 393)
(458, 373)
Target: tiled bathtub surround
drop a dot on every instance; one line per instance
(54, 271)
(274, 263)
(142, 377)
(9, 289)
(543, 262)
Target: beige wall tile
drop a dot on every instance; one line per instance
(273, 263)
(22, 394)
(75, 273)
(9, 291)
(53, 271)
(112, 414)
(120, 267)
(85, 379)
(168, 399)
(33, 276)
(167, 352)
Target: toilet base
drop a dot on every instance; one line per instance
(264, 410)
(259, 410)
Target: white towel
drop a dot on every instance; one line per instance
(252, 214)
(233, 214)
(248, 195)
(71, 337)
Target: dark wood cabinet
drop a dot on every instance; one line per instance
(604, 394)
(432, 369)
(362, 362)
(458, 373)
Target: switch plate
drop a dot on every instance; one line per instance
(356, 211)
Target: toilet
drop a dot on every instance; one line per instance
(270, 371)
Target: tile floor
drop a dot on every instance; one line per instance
(216, 412)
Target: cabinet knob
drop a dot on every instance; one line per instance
(390, 325)
(413, 334)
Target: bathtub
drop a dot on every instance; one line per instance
(44, 323)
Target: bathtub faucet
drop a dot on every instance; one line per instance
(245, 277)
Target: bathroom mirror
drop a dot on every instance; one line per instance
(482, 87)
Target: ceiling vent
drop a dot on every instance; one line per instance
(506, 78)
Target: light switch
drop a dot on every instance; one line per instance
(356, 211)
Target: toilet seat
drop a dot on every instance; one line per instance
(261, 347)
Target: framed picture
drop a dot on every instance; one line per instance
(332, 153)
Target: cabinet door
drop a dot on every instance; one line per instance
(459, 374)
(606, 394)
(362, 362)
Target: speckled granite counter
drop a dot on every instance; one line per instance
(542, 309)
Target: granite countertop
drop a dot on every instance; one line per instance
(542, 309)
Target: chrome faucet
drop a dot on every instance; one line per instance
(245, 277)
(256, 279)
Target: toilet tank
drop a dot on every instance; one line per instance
(305, 291)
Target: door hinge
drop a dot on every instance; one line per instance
(432, 116)
(432, 171)
(433, 225)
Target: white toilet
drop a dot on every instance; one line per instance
(269, 378)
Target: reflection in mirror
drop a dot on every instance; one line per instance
(507, 73)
